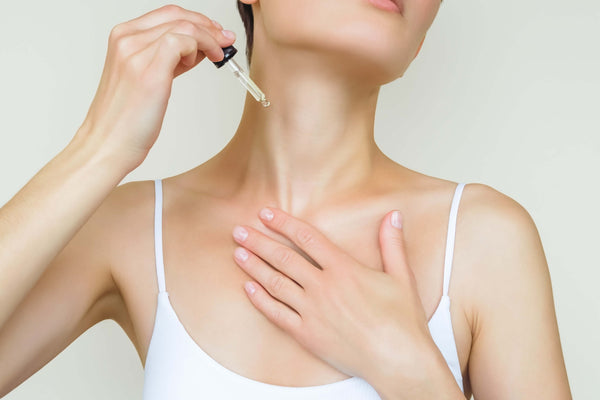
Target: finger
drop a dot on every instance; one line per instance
(275, 311)
(277, 284)
(192, 29)
(316, 245)
(171, 48)
(160, 16)
(130, 44)
(277, 255)
(393, 250)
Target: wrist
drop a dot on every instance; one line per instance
(91, 153)
(424, 376)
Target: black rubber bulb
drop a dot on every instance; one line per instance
(229, 52)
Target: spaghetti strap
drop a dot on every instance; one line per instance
(450, 238)
(158, 241)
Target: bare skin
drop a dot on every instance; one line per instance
(200, 271)
(204, 283)
(502, 307)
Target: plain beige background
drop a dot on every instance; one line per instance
(504, 93)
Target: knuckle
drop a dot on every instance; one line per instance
(212, 35)
(171, 8)
(134, 65)
(276, 284)
(305, 237)
(282, 255)
(116, 31)
(213, 30)
(122, 45)
(204, 19)
(185, 26)
(276, 315)
(169, 39)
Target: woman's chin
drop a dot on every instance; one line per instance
(374, 65)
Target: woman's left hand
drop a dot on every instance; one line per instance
(360, 320)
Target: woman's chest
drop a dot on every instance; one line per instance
(206, 294)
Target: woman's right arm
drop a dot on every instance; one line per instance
(53, 281)
(47, 212)
(48, 304)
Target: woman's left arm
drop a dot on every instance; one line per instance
(516, 351)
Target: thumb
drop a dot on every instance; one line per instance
(391, 241)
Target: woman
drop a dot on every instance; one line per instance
(350, 299)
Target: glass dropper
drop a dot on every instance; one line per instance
(242, 76)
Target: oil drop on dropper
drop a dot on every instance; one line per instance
(242, 76)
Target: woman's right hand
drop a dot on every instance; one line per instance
(144, 56)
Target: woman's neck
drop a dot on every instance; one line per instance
(314, 141)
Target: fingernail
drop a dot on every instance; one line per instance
(396, 220)
(228, 34)
(216, 24)
(249, 288)
(240, 233)
(266, 214)
(241, 254)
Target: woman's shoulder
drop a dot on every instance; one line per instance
(492, 228)
(480, 203)
(130, 207)
(497, 244)
(483, 207)
(486, 217)
(127, 212)
(129, 201)
(480, 200)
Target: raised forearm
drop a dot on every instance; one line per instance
(38, 222)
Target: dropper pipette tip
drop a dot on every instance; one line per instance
(242, 76)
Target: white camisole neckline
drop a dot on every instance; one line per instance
(178, 368)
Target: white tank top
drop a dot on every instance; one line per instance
(177, 368)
